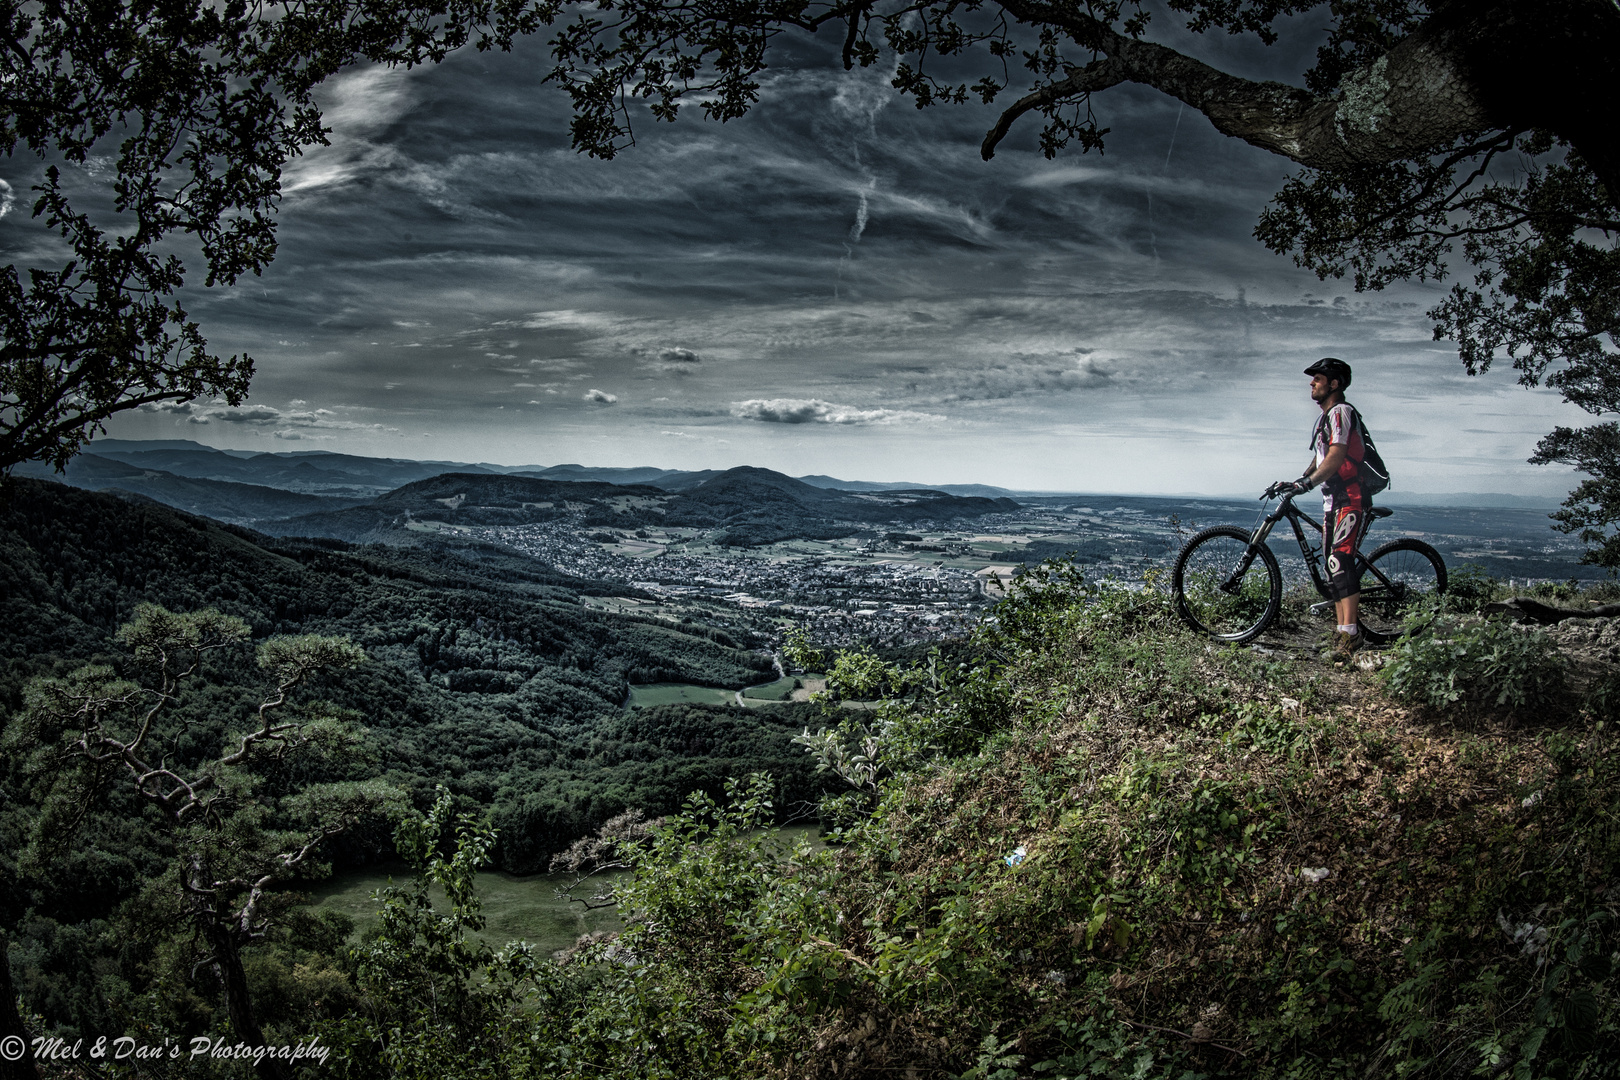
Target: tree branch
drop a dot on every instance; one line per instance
(1098, 75)
(1408, 102)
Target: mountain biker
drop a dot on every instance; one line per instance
(1338, 449)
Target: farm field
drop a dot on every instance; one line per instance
(686, 693)
(679, 694)
(771, 691)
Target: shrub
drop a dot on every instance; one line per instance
(1472, 665)
(1468, 589)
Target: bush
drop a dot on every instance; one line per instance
(1468, 589)
(1472, 665)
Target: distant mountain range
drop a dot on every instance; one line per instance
(371, 499)
(745, 507)
(320, 472)
(344, 495)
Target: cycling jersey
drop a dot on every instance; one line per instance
(1338, 427)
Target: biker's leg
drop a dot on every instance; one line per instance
(1342, 531)
(1348, 610)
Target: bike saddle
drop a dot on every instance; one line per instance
(1380, 511)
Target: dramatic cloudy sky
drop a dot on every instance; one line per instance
(834, 284)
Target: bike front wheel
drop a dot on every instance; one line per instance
(1224, 588)
(1400, 577)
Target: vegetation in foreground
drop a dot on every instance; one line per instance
(1111, 849)
(1121, 851)
(481, 671)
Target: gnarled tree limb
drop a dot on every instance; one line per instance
(1469, 68)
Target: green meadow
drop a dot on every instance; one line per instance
(772, 691)
(679, 694)
(515, 908)
(688, 694)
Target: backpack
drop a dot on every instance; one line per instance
(1373, 474)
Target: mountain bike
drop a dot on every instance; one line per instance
(1227, 582)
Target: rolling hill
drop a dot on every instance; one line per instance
(222, 500)
(745, 507)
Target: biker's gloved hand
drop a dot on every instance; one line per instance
(1301, 486)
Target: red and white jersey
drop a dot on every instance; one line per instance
(1338, 427)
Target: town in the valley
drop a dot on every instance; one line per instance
(925, 582)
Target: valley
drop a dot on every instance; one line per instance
(549, 652)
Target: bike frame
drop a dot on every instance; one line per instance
(1311, 554)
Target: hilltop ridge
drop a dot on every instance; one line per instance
(746, 506)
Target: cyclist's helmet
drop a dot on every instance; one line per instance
(1333, 368)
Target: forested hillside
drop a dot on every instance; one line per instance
(484, 673)
(222, 500)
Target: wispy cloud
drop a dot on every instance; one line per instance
(816, 411)
(835, 262)
(296, 421)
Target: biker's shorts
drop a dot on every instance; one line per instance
(1342, 530)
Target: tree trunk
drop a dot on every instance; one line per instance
(13, 1035)
(1525, 610)
(238, 1003)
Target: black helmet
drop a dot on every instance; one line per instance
(1333, 368)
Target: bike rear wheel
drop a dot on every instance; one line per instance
(1222, 590)
(1409, 573)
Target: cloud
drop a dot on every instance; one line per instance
(181, 408)
(287, 422)
(7, 199)
(258, 414)
(1022, 375)
(600, 397)
(568, 319)
(671, 360)
(357, 107)
(814, 410)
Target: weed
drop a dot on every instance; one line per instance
(1470, 666)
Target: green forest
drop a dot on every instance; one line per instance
(482, 673)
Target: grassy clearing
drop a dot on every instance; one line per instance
(780, 690)
(679, 693)
(515, 908)
(686, 693)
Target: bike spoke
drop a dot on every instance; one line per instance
(1223, 589)
(1401, 579)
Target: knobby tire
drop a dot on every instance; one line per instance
(1207, 562)
(1410, 563)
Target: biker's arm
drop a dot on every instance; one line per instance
(1330, 464)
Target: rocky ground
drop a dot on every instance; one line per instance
(1591, 646)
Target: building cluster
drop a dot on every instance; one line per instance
(840, 602)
